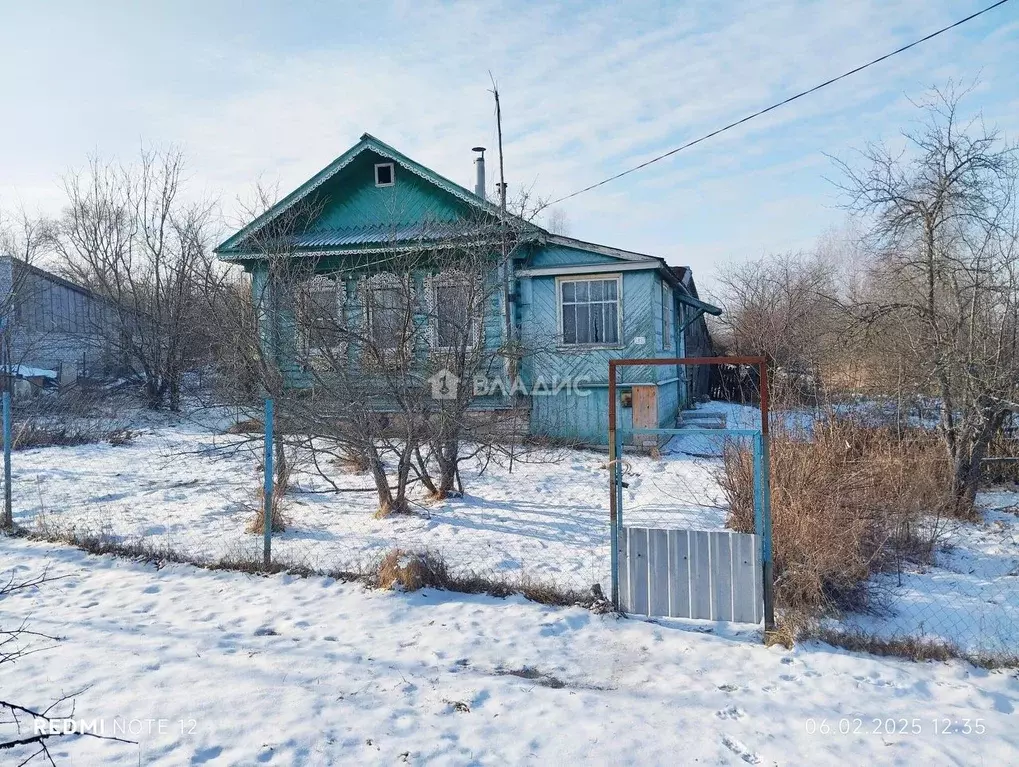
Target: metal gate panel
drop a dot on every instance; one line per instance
(712, 575)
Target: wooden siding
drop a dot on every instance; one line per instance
(641, 316)
(559, 255)
(352, 201)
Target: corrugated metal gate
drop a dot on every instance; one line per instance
(680, 571)
(691, 574)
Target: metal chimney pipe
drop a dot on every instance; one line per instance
(479, 171)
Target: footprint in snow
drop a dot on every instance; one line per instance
(741, 750)
(731, 713)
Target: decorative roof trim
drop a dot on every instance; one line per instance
(604, 250)
(566, 269)
(366, 143)
(249, 256)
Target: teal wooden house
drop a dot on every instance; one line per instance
(580, 302)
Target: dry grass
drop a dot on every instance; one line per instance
(1000, 471)
(31, 435)
(847, 500)
(279, 520)
(351, 463)
(247, 426)
(919, 649)
(410, 571)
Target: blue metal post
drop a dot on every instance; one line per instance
(267, 488)
(759, 489)
(613, 526)
(762, 525)
(8, 522)
(766, 542)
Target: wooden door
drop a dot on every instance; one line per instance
(645, 407)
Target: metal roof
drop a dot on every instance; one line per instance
(366, 235)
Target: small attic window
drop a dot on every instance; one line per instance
(384, 174)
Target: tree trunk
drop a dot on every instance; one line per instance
(970, 449)
(448, 455)
(153, 393)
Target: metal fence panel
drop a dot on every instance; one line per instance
(659, 582)
(707, 575)
(679, 572)
(700, 575)
(747, 606)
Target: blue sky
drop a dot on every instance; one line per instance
(273, 91)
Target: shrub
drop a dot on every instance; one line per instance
(847, 500)
(32, 434)
(411, 571)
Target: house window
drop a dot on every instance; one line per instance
(322, 316)
(456, 322)
(667, 317)
(589, 311)
(384, 174)
(389, 316)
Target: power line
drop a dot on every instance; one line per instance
(826, 83)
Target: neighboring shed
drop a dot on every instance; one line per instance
(51, 324)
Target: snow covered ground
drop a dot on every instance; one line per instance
(190, 488)
(223, 668)
(971, 596)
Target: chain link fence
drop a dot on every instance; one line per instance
(532, 518)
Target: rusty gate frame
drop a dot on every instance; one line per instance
(763, 487)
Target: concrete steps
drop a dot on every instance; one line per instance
(698, 419)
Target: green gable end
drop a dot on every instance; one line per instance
(352, 201)
(349, 208)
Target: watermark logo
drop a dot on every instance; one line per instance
(445, 385)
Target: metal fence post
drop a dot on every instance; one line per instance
(762, 525)
(766, 542)
(268, 486)
(8, 521)
(613, 498)
(759, 489)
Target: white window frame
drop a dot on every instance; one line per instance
(392, 173)
(618, 277)
(444, 280)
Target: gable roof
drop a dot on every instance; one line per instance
(366, 143)
(330, 240)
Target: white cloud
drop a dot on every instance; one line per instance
(587, 91)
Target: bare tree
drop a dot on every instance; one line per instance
(786, 308)
(373, 358)
(130, 235)
(944, 280)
